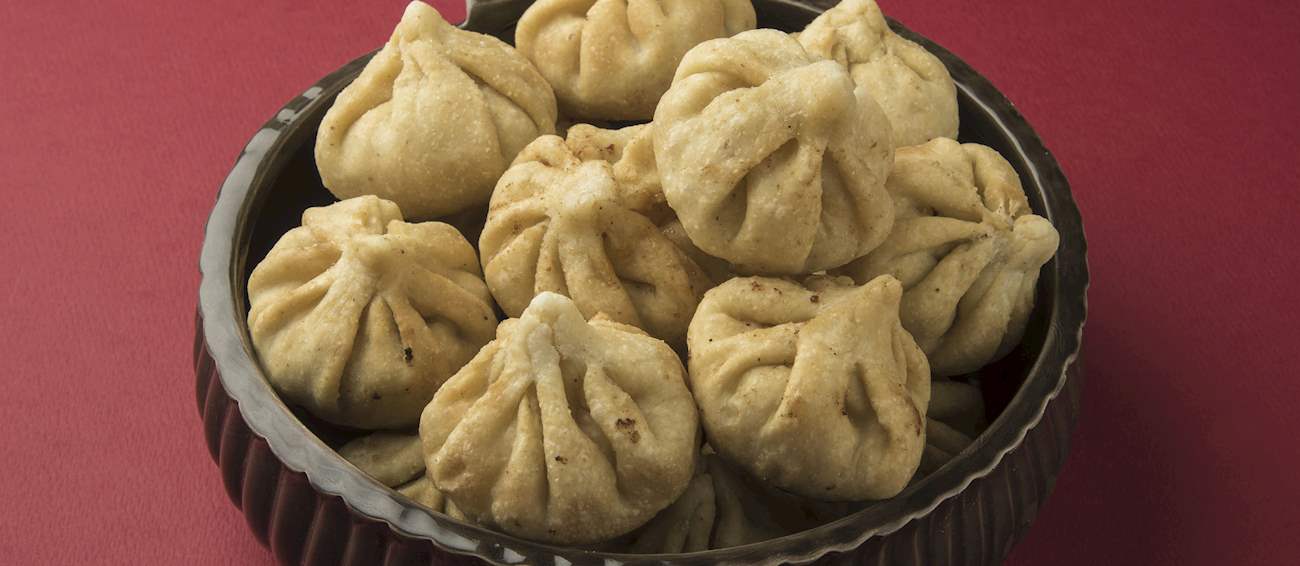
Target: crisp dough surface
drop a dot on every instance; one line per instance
(771, 158)
(631, 152)
(578, 218)
(613, 59)
(956, 417)
(967, 250)
(815, 388)
(563, 430)
(434, 118)
(724, 507)
(392, 458)
(359, 316)
(911, 85)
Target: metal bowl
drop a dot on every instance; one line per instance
(310, 506)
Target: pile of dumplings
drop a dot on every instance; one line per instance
(749, 314)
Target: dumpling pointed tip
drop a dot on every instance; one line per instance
(1035, 241)
(1033, 226)
(419, 14)
(417, 8)
(548, 298)
(550, 306)
(886, 288)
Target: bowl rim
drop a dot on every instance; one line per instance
(224, 326)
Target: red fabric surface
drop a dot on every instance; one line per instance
(1174, 120)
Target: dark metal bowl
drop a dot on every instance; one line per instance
(310, 506)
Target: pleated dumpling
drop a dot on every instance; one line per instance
(956, 418)
(396, 460)
(586, 230)
(563, 430)
(911, 85)
(434, 118)
(967, 250)
(631, 152)
(816, 388)
(613, 59)
(772, 159)
(359, 316)
(724, 507)
(392, 458)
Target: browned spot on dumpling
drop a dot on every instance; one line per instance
(408, 355)
(628, 426)
(562, 459)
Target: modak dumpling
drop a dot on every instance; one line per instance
(434, 118)
(956, 418)
(422, 491)
(392, 458)
(359, 317)
(631, 154)
(815, 389)
(580, 228)
(716, 270)
(684, 526)
(613, 59)
(397, 461)
(967, 250)
(911, 85)
(562, 430)
(724, 507)
(772, 159)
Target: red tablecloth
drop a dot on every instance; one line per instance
(1176, 122)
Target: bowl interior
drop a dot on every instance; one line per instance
(278, 204)
(287, 183)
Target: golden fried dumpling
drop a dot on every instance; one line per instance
(397, 461)
(392, 458)
(685, 526)
(359, 316)
(816, 389)
(911, 85)
(772, 159)
(631, 152)
(724, 507)
(585, 230)
(563, 430)
(422, 491)
(434, 118)
(613, 59)
(967, 250)
(716, 270)
(956, 418)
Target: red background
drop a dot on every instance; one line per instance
(1176, 122)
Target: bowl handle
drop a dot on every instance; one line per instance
(493, 16)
